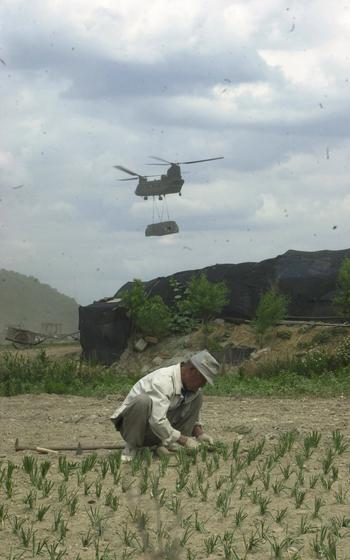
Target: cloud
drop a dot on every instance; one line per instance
(88, 85)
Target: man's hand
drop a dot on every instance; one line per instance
(187, 442)
(205, 438)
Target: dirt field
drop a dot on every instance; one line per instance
(186, 513)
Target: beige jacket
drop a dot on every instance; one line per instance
(164, 387)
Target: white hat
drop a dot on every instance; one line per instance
(206, 365)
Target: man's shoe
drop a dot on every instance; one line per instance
(128, 454)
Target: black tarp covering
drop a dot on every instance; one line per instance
(104, 331)
(308, 278)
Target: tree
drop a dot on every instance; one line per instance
(272, 308)
(149, 315)
(342, 297)
(204, 300)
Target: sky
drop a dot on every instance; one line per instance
(87, 84)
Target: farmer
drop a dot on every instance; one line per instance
(162, 409)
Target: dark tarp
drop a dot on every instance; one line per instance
(308, 278)
(104, 331)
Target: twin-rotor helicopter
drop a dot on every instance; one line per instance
(169, 183)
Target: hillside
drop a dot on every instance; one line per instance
(26, 303)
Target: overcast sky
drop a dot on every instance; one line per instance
(88, 84)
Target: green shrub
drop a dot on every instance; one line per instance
(342, 297)
(153, 317)
(272, 308)
(149, 315)
(204, 300)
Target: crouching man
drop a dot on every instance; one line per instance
(162, 409)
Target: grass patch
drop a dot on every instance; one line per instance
(318, 375)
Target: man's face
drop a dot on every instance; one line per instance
(195, 380)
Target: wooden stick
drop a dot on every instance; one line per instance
(76, 448)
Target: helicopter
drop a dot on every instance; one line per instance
(169, 183)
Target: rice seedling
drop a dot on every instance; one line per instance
(3, 514)
(111, 500)
(243, 491)
(41, 512)
(192, 489)
(16, 524)
(87, 539)
(29, 463)
(278, 486)
(299, 498)
(188, 532)
(54, 552)
(211, 543)
(263, 503)
(198, 524)
(313, 480)
(37, 546)
(249, 479)
(327, 483)
(252, 543)
(318, 543)
(239, 517)
(72, 504)
(15, 555)
(223, 503)
(265, 478)
(203, 490)
(114, 460)
(286, 471)
(57, 518)
(305, 525)
(163, 465)
(279, 547)
(104, 467)
(128, 536)
(62, 491)
(46, 487)
(318, 504)
(340, 495)
(88, 463)
(127, 484)
(281, 515)
(328, 461)
(311, 441)
(98, 487)
(104, 555)
(44, 468)
(235, 448)
(87, 487)
(26, 535)
(66, 467)
(254, 451)
(97, 519)
(62, 529)
(175, 505)
(339, 443)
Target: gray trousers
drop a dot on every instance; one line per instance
(133, 423)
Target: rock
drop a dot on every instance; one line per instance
(220, 322)
(151, 339)
(140, 344)
(157, 361)
(259, 353)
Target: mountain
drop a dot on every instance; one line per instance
(28, 304)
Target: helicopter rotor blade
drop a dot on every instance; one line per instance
(199, 160)
(160, 159)
(121, 168)
(138, 177)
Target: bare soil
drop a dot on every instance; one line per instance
(47, 420)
